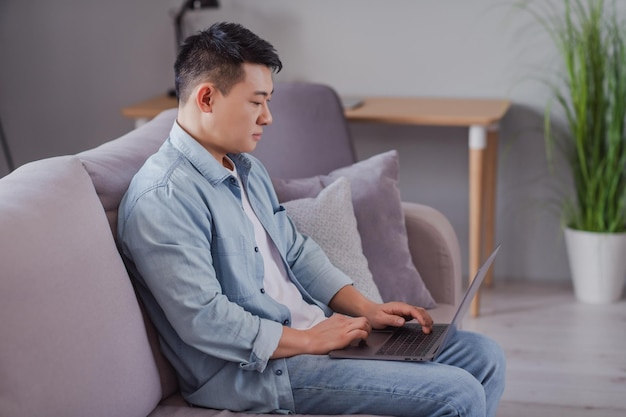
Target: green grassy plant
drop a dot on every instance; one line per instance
(591, 91)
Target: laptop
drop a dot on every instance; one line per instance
(409, 343)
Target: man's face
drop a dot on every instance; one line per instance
(239, 117)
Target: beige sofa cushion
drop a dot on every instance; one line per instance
(329, 220)
(73, 342)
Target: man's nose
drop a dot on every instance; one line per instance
(265, 119)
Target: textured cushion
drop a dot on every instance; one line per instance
(329, 220)
(72, 337)
(380, 221)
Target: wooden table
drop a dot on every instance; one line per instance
(146, 110)
(480, 116)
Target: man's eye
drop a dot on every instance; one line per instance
(256, 103)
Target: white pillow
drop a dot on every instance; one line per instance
(329, 220)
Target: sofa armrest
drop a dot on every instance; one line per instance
(435, 251)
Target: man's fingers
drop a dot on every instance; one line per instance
(361, 323)
(424, 319)
(354, 323)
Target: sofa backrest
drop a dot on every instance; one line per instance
(309, 134)
(72, 337)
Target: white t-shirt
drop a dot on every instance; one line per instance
(275, 279)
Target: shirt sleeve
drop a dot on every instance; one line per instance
(314, 271)
(170, 250)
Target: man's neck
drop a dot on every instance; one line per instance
(228, 163)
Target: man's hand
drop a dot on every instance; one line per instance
(336, 332)
(396, 314)
(349, 300)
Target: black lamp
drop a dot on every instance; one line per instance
(178, 21)
(5, 149)
(190, 5)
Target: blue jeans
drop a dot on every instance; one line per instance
(467, 379)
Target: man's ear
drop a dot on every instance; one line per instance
(205, 96)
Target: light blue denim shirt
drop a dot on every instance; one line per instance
(191, 251)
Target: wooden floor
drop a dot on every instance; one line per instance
(564, 358)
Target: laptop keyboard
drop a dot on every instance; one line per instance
(411, 341)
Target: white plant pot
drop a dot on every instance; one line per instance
(598, 265)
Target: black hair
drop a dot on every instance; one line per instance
(217, 55)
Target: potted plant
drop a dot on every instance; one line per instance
(590, 90)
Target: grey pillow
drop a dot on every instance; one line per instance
(380, 221)
(329, 220)
(113, 164)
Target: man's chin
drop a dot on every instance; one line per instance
(251, 148)
(247, 149)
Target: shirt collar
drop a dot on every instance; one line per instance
(202, 160)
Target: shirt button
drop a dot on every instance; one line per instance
(279, 372)
(262, 290)
(256, 248)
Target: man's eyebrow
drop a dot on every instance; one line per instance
(263, 93)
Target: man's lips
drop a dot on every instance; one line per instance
(257, 136)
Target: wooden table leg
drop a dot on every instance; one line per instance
(477, 150)
(489, 208)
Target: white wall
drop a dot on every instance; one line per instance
(68, 66)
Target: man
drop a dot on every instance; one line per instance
(246, 307)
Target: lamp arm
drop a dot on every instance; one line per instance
(6, 150)
(178, 22)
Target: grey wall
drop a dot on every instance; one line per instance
(68, 66)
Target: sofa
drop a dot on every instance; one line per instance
(74, 339)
